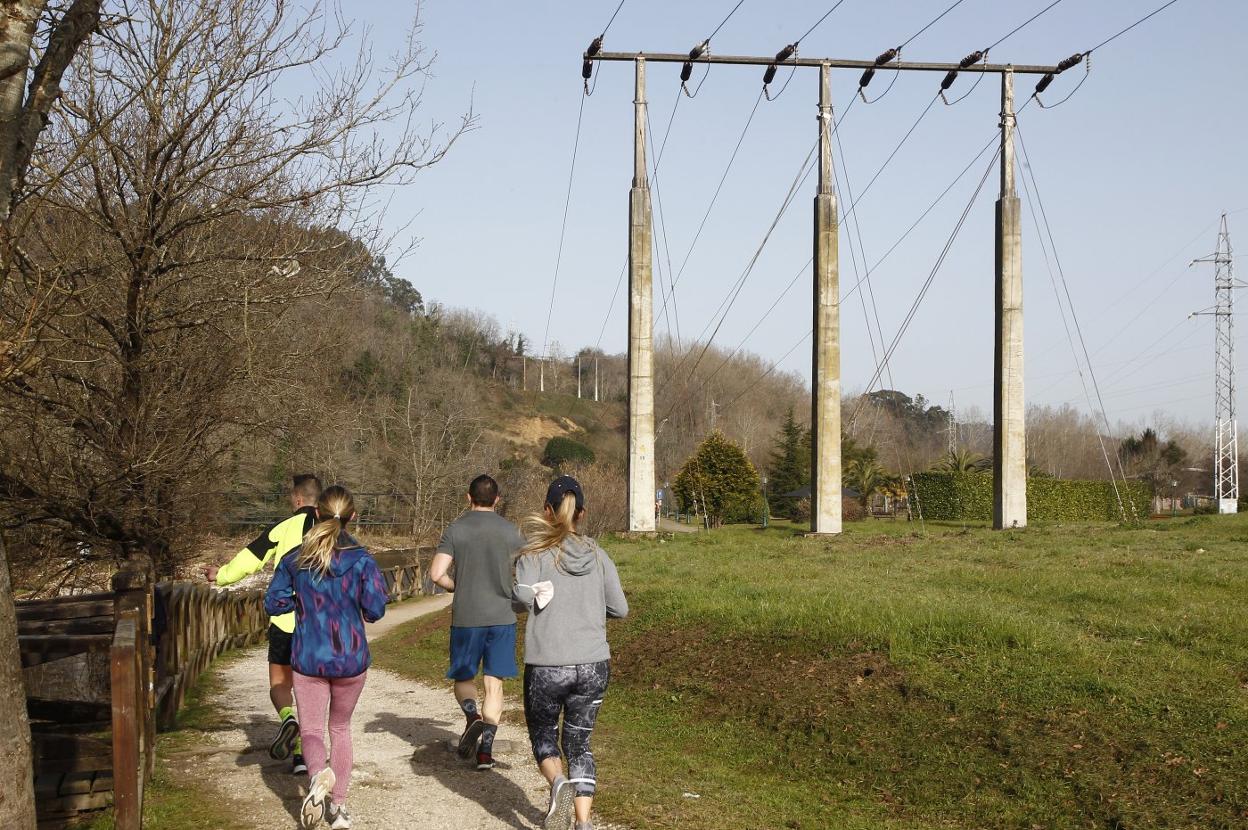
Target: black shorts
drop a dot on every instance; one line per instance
(279, 646)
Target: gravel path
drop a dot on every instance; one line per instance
(405, 775)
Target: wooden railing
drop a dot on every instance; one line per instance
(159, 638)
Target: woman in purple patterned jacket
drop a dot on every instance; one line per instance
(334, 586)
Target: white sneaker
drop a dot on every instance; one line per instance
(559, 813)
(338, 817)
(313, 809)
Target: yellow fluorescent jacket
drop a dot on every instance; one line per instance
(272, 544)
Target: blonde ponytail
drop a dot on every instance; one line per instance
(335, 509)
(545, 531)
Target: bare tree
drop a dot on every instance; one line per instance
(38, 41)
(186, 205)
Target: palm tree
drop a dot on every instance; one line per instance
(868, 478)
(961, 460)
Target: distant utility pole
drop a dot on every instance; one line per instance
(1226, 432)
(953, 426)
(578, 377)
(541, 376)
(595, 378)
(1010, 488)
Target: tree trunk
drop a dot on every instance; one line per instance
(17, 790)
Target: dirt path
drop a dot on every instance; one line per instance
(405, 776)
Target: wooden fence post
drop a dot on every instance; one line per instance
(125, 668)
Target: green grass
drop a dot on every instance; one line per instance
(1086, 676)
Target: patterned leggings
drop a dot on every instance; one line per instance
(576, 692)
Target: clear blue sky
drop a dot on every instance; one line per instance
(1133, 170)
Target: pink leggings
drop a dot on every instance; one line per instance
(339, 695)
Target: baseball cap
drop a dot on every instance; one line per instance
(561, 487)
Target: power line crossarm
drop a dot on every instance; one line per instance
(835, 63)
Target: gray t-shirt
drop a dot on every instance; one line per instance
(482, 545)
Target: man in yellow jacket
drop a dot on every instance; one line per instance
(270, 546)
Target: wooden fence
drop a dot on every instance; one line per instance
(105, 671)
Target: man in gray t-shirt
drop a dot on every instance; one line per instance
(482, 546)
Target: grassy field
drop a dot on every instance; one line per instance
(1056, 677)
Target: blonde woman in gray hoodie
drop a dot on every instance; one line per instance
(570, 587)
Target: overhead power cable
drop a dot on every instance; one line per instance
(982, 55)
(701, 50)
(595, 46)
(563, 227)
(1085, 57)
(790, 52)
(927, 284)
(894, 54)
(715, 196)
(1066, 322)
(734, 291)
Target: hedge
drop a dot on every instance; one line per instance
(968, 496)
(561, 451)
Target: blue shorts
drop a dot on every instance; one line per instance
(491, 647)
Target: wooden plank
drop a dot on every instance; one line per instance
(66, 609)
(79, 625)
(67, 711)
(126, 725)
(63, 643)
(71, 753)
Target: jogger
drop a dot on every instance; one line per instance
(480, 544)
(569, 586)
(333, 586)
(272, 545)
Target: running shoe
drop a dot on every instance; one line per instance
(313, 809)
(485, 760)
(284, 743)
(297, 765)
(472, 734)
(338, 817)
(559, 814)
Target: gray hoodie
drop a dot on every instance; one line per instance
(572, 629)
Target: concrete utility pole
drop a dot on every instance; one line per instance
(1010, 464)
(578, 377)
(825, 417)
(595, 378)
(1009, 437)
(1226, 431)
(640, 327)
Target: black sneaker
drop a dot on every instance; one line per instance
(284, 743)
(472, 734)
(485, 760)
(297, 765)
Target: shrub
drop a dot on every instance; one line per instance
(968, 496)
(720, 480)
(561, 451)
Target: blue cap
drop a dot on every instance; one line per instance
(560, 487)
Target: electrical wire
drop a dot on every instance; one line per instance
(734, 291)
(1029, 169)
(563, 228)
(663, 226)
(726, 19)
(819, 22)
(927, 284)
(715, 196)
(891, 155)
(1021, 26)
(934, 21)
(612, 20)
(1100, 437)
(1132, 26)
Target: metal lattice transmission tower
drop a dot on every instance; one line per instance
(1226, 437)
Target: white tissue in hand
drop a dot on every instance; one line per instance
(543, 593)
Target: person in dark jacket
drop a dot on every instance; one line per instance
(333, 586)
(569, 586)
